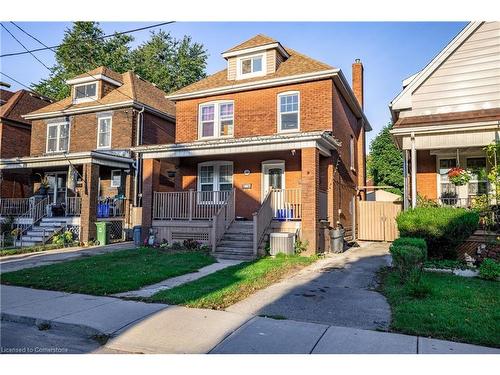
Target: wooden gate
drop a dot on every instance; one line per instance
(377, 220)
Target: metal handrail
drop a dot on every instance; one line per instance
(36, 213)
(227, 213)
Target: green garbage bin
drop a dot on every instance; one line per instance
(102, 232)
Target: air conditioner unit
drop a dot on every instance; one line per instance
(282, 243)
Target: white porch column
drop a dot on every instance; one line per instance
(405, 181)
(413, 172)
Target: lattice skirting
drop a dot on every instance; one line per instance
(75, 229)
(116, 230)
(474, 249)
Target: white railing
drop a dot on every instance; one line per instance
(323, 205)
(15, 206)
(26, 221)
(286, 204)
(73, 206)
(188, 205)
(262, 219)
(223, 219)
(110, 207)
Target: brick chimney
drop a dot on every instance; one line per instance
(357, 80)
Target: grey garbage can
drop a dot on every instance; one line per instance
(337, 240)
(137, 235)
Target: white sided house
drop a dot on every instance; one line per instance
(447, 113)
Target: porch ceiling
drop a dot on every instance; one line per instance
(121, 160)
(322, 140)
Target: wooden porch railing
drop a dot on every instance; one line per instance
(223, 219)
(188, 205)
(73, 206)
(286, 204)
(15, 206)
(262, 219)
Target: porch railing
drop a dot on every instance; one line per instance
(262, 219)
(15, 206)
(223, 219)
(110, 207)
(286, 204)
(73, 206)
(26, 221)
(188, 205)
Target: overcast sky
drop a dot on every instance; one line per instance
(390, 52)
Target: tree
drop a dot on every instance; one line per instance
(386, 161)
(163, 60)
(171, 64)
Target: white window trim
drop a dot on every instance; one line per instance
(476, 181)
(88, 98)
(120, 173)
(278, 107)
(216, 165)
(239, 59)
(103, 117)
(217, 127)
(438, 173)
(58, 124)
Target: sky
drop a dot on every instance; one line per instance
(390, 51)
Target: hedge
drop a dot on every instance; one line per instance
(408, 257)
(442, 228)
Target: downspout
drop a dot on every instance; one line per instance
(138, 141)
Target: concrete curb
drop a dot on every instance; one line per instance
(71, 327)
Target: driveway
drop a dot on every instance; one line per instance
(338, 290)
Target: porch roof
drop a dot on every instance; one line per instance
(118, 160)
(323, 140)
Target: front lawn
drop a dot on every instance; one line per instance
(457, 308)
(230, 285)
(110, 273)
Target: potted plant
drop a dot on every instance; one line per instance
(44, 185)
(459, 176)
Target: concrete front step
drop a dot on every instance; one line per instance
(237, 237)
(223, 247)
(26, 243)
(39, 233)
(238, 231)
(236, 244)
(234, 256)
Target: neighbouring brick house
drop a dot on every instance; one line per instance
(276, 141)
(15, 137)
(81, 149)
(447, 113)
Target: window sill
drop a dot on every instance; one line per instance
(214, 138)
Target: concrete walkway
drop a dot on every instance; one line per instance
(338, 290)
(149, 290)
(138, 327)
(41, 258)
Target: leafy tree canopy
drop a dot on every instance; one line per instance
(386, 161)
(163, 60)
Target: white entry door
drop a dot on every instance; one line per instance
(273, 175)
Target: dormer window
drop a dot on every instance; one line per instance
(85, 92)
(251, 66)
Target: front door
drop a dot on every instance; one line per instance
(57, 187)
(273, 176)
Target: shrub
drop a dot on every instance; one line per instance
(410, 241)
(408, 261)
(489, 269)
(63, 239)
(418, 290)
(442, 228)
(191, 244)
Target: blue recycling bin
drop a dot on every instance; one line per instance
(137, 235)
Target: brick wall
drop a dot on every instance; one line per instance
(157, 130)
(15, 185)
(255, 112)
(14, 140)
(83, 132)
(426, 174)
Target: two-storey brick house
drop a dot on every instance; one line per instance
(15, 137)
(274, 141)
(81, 164)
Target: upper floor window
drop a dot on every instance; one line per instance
(216, 120)
(288, 111)
(104, 132)
(58, 137)
(85, 92)
(251, 66)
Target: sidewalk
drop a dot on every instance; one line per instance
(17, 262)
(156, 328)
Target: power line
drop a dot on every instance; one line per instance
(23, 85)
(27, 50)
(102, 37)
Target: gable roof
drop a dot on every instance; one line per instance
(296, 64)
(256, 41)
(5, 95)
(21, 103)
(134, 90)
(403, 99)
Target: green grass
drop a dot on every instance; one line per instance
(458, 308)
(230, 285)
(31, 249)
(110, 273)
